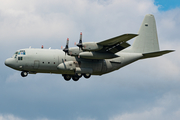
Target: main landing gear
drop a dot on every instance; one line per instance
(24, 73)
(76, 76)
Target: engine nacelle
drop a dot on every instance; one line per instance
(97, 55)
(91, 46)
(74, 51)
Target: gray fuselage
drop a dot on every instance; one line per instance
(48, 60)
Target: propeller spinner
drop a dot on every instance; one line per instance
(66, 49)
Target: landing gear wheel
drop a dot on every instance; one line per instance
(75, 78)
(79, 75)
(67, 77)
(87, 75)
(24, 74)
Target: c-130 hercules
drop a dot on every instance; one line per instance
(92, 58)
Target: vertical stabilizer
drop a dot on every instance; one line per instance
(147, 41)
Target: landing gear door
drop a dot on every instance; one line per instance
(36, 64)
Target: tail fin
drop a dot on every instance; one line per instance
(147, 41)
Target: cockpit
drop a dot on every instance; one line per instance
(21, 52)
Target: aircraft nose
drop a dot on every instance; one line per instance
(8, 62)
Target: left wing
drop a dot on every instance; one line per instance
(116, 44)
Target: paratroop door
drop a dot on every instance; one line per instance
(36, 64)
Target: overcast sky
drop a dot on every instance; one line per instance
(145, 90)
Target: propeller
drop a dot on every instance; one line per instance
(80, 45)
(66, 49)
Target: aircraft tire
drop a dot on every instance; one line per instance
(87, 75)
(75, 78)
(24, 74)
(67, 77)
(79, 75)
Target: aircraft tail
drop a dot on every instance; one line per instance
(147, 41)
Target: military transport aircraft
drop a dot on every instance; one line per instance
(91, 58)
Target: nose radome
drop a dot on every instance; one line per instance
(8, 62)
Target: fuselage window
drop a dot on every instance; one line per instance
(20, 58)
(48, 62)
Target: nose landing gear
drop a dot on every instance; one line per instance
(24, 74)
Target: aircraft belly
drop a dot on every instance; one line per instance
(110, 65)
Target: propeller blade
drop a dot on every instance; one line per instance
(80, 45)
(66, 49)
(67, 42)
(81, 37)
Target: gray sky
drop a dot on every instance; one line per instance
(145, 90)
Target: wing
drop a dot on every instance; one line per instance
(116, 44)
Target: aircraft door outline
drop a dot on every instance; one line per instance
(36, 64)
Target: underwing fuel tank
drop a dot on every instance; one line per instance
(97, 55)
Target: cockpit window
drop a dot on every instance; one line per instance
(16, 53)
(22, 52)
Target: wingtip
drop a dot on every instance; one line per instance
(172, 50)
(132, 34)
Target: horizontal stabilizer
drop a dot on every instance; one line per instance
(156, 54)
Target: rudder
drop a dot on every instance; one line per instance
(147, 41)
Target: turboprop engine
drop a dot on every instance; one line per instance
(88, 46)
(97, 55)
(91, 46)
